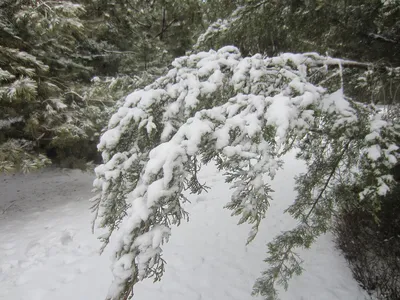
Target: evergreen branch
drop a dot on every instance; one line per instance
(95, 209)
(338, 160)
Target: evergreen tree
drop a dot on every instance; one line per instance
(50, 50)
(244, 114)
(37, 59)
(145, 35)
(355, 29)
(218, 9)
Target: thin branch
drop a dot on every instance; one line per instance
(74, 93)
(382, 38)
(119, 52)
(166, 28)
(328, 180)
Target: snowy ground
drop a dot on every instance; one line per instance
(47, 251)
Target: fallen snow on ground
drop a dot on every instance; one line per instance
(47, 250)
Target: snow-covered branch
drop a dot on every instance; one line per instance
(243, 114)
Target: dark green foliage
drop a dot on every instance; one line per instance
(355, 29)
(49, 52)
(143, 35)
(372, 247)
(36, 63)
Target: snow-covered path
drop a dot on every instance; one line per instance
(47, 251)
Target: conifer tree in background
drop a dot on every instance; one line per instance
(50, 51)
(37, 60)
(145, 35)
(354, 29)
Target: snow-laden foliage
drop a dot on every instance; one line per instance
(242, 113)
(40, 65)
(50, 50)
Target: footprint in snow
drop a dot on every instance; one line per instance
(5, 267)
(66, 238)
(54, 286)
(49, 226)
(35, 250)
(201, 199)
